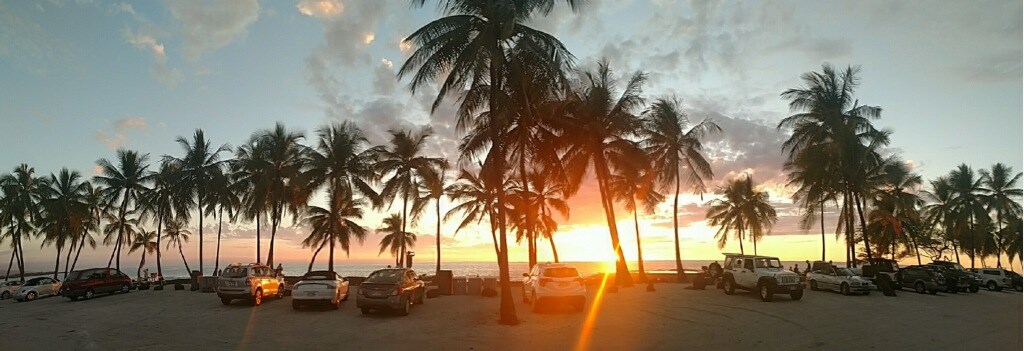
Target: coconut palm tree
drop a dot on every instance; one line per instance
(196, 170)
(64, 214)
(97, 208)
(21, 207)
(252, 183)
(896, 194)
(283, 164)
(123, 183)
(432, 186)
(470, 46)
(668, 137)
(120, 231)
(635, 188)
(598, 130)
(827, 118)
(403, 166)
(969, 207)
(549, 191)
(145, 241)
(162, 201)
(177, 235)
(395, 241)
(478, 200)
(939, 211)
(741, 210)
(817, 185)
(223, 196)
(335, 224)
(1001, 196)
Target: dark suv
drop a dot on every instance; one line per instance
(87, 283)
(922, 279)
(958, 278)
(395, 289)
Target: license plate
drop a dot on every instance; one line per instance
(310, 293)
(562, 285)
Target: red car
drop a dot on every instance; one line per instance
(87, 283)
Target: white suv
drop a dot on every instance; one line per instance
(554, 282)
(764, 274)
(995, 279)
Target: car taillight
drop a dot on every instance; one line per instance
(544, 281)
(398, 291)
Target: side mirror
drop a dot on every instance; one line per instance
(526, 274)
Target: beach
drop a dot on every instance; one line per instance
(671, 318)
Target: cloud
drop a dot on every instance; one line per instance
(118, 137)
(384, 81)
(145, 41)
(321, 8)
(211, 25)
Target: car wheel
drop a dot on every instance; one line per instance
(536, 308)
(6, 295)
(919, 287)
(295, 305)
(125, 288)
(992, 286)
(730, 286)
(797, 294)
(225, 302)
(364, 310)
(933, 291)
(844, 289)
(31, 296)
(89, 294)
(974, 288)
(814, 285)
(257, 299)
(406, 306)
(765, 290)
(419, 297)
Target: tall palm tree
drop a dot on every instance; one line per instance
(1001, 196)
(478, 200)
(827, 118)
(939, 211)
(145, 241)
(601, 122)
(162, 201)
(896, 195)
(252, 183)
(404, 166)
(549, 191)
(969, 207)
(669, 138)
(64, 214)
(223, 196)
(284, 162)
(817, 185)
(98, 209)
(123, 182)
(741, 210)
(396, 241)
(636, 188)
(470, 46)
(177, 235)
(21, 207)
(432, 186)
(196, 170)
(335, 225)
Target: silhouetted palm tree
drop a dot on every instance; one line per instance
(1002, 196)
(478, 200)
(968, 207)
(252, 183)
(669, 138)
(124, 182)
(196, 170)
(223, 196)
(896, 194)
(177, 235)
(636, 188)
(432, 186)
(335, 224)
(64, 214)
(741, 210)
(404, 165)
(939, 211)
(396, 241)
(145, 241)
(21, 206)
(284, 162)
(96, 210)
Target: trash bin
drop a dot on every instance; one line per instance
(197, 277)
(474, 285)
(443, 280)
(459, 286)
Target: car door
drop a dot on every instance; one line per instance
(112, 280)
(743, 270)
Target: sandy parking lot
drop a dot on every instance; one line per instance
(672, 318)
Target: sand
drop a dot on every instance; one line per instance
(673, 318)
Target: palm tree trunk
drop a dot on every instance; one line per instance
(330, 261)
(999, 233)
(10, 264)
(182, 253)
(159, 228)
(405, 209)
(675, 227)
(21, 257)
(200, 206)
(639, 250)
(622, 276)
(317, 252)
(494, 235)
(973, 250)
(917, 250)
(220, 224)
(821, 206)
(275, 220)
(120, 229)
(863, 224)
(507, 308)
(79, 251)
(554, 251)
(741, 240)
(56, 264)
(142, 262)
(531, 243)
(67, 257)
(956, 251)
(437, 238)
(259, 252)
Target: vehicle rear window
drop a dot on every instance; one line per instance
(319, 276)
(76, 275)
(561, 272)
(235, 272)
(385, 276)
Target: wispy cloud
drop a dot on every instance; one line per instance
(117, 136)
(207, 26)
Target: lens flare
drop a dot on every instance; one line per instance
(595, 306)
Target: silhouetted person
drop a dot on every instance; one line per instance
(279, 270)
(808, 270)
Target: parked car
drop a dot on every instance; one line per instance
(553, 283)
(922, 279)
(958, 278)
(86, 283)
(1016, 280)
(878, 268)
(37, 287)
(395, 289)
(839, 279)
(320, 287)
(995, 279)
(764, 274)
(7, 289)
(251, 282)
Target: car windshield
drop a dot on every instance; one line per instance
(76, 275)
(319, 276)
(844, 272)
(958, 267)
(34, 282)
(561, 272)
(235, 272)
(389, 276)
(767, 263)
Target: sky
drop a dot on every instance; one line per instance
(84, 78)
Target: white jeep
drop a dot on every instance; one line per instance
(764, 274)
